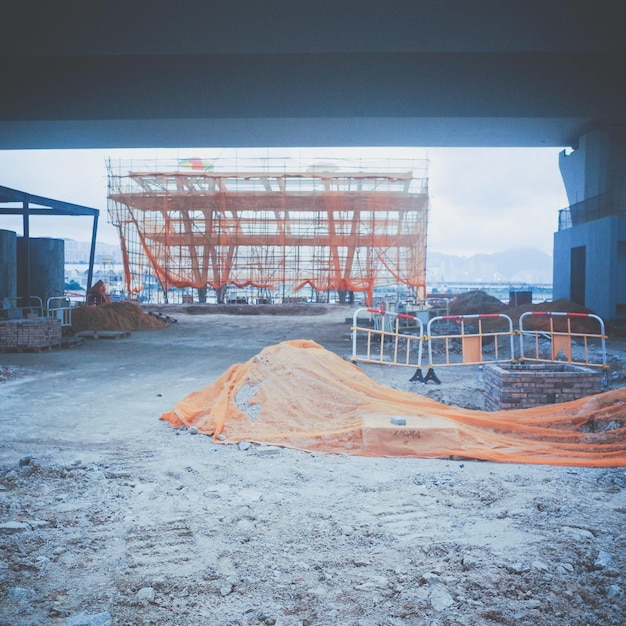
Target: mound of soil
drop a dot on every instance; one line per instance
(559, 324)
(113, 316)
(476, 303)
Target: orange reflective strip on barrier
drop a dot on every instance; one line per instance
(472, 349)
(561, 343)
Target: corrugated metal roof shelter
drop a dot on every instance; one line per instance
(15, 202)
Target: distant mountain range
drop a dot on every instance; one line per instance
(524, 265)
(78, 252)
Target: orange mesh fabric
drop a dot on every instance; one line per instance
(299, 395)
(327, 230)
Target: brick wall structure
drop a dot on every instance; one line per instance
(30, 334)
(520, 386)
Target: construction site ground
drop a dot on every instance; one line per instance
(109, 516)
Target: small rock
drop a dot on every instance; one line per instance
(603, 560)
(374, 582)
(432, 579)
(226, 590)
(440, 598)
(12, 527)
(193, 430)
(90, 619)
(580, 533)
(24, 461)
(532, 604)
(518, 567)
(21, 594)
(565, 568)
(613, 592)
(38, 523)
(116, 474)
(244, 445)
(268, 450)
(469, 562)
(146, 594)
(221, 437)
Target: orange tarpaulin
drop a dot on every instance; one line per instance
(299, 395)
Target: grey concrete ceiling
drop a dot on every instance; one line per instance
(287, 73)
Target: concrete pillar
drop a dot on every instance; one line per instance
(8, 264)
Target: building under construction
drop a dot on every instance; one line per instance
(281, 232)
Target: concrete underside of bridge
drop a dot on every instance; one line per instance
(278, 73)
(343, 73)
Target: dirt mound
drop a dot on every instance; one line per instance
(113, 316)
(475, 303)
(298, 395)
(559, 324)
(478, 302)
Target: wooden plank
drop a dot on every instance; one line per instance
(103, 334)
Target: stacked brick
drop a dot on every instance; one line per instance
(520, 386)
(30, 334)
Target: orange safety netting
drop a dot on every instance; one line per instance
(297, 394)
(272, 230)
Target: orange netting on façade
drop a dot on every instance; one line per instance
(299, 395)
(272, 230)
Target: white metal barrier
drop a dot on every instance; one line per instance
(61, 308)
(475, 340)
(18, 308)
(386, 342)
(470, 334)
(560, 343)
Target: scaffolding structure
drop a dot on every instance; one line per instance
(197, 223)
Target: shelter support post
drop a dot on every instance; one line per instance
(92, 251)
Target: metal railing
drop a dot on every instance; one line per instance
(565, 344)
(393, 338)
(60, 307)
(473, 337)
(479, 339)
(594, 208)
(21, 308)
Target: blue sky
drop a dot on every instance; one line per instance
(483, 200)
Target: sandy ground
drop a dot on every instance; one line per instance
(108, 516)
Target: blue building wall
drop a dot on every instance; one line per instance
(605, 265)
